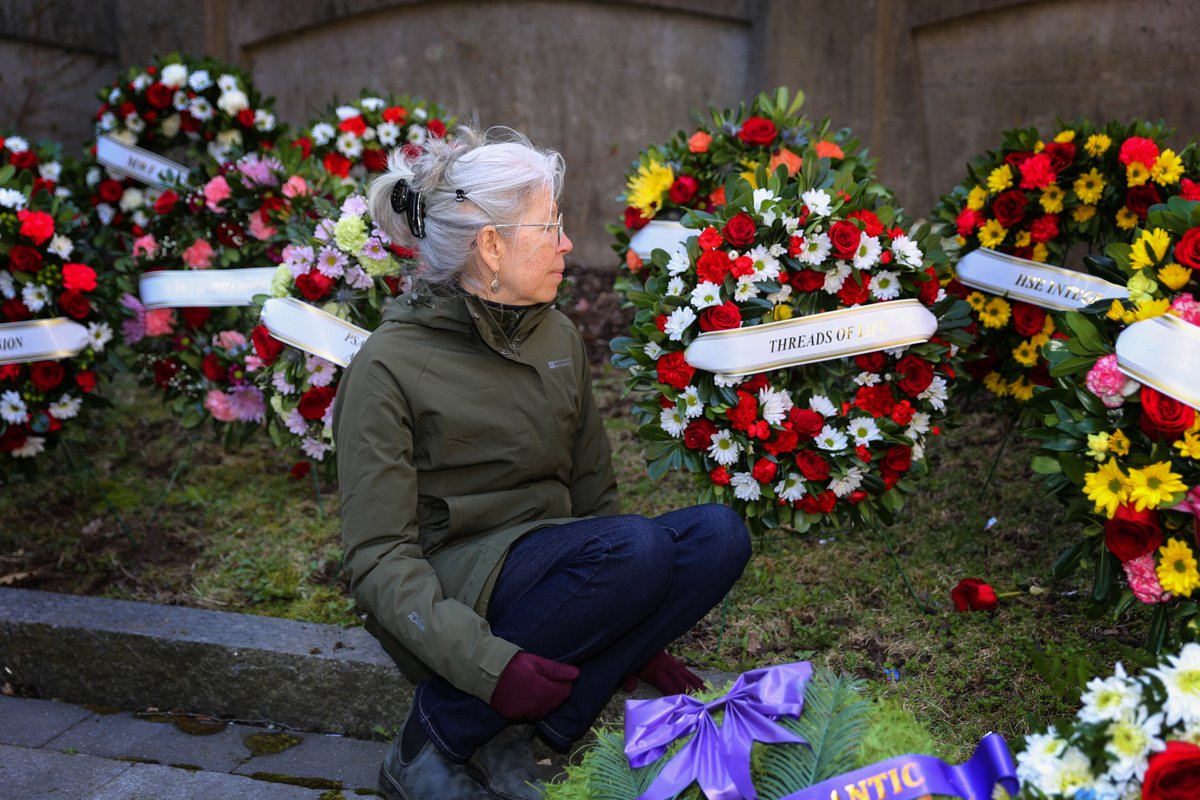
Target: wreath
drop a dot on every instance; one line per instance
(357, 136)
(1089, 186)
(43, 277)
(348, 268)
(1124, 456)
(835, 442)
(237, 216)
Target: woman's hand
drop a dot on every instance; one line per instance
(532, 686)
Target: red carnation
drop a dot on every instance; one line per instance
(24, 259)
(764, 470)
(79, 276)
(972, 594)
(967, 221)
(86, 380)
(917, 375)
(159, 95)
(719, 476)
(742, 267)
(374, 160)
(1189, 189)
(313, 403)
(740, 229)
(876, 400)
(75, 303)
(758, 132)
(871, 223)
(1138, 148)
(212, 368)
(743, 415)
(1044, 228)
(1028, 320)
(37, 226)
(397, 115)
(698, 434)
(854, 293)
(1009, 207)
(10, 372)
(306, 145)
(45, 375)
(1037, 172)
(722, 317)
(26, 159)
(266, 345)
(437, 128)
(713, 266)
(683, 189)
(711, 239)
(902, 412)
(1132, 534)
(781, 441)
(928, 291)
(165, 202)
(674, 371)
(812, 466)
(337, 164)
(355, 125)
(844, 237)
(821, 503)
(806, 422)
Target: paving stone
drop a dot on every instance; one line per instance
(118, 735)
(154, 782)
(354, 762)
(32, 723)
(27, 774)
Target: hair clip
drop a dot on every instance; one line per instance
(409, 202)
(459, 195)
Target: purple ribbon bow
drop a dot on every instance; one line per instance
(717, 758)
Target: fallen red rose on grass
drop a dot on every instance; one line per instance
(972, 594)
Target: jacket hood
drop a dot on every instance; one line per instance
(448, 308)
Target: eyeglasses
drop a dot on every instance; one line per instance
(544, 225)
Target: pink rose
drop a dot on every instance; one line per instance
(199, 255)
(217, 403)
(1187, 308)
(215, 191)
(228, 340)
(145, 245)
(160, 321)
(1110, 384)
(296, 186)
(259, 229)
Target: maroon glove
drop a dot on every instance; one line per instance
(532, 686)
(665, 673)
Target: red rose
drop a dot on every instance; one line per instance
(917, 375)
(719, 476)
(634, 219)
(26, 159)
(1037, 172)
(1044, 228)
(37, 226)
(711, 239)
(743, 415)
(1164, 417)
(46, 374)
(397, 115)
(713, 266)
(876, 400)
(437, 128)
(165, 370)
(1009, 207)
(374, 160)
(75, 303)
(781, 441)
(212, 368)
(86, 380)
(1027, 319)
(1061, 155)
(188, 123)
(683, 189)
(306, 145)
(313, 285)
(972, 594)
(764, 470)
(812, 466)
(871, 362)
(722, 317)
(14, 437)
(806, 422)
(230, 234)
(313, 403)
(898, 459)
(1187, 249)
(159, 95)
(1018, 158)
(808, 280)
(354, 125)
(674, 371)
(24, 259)
(300, 470)
(15, 310)
(739, 231)
(109, 191)
(1131, 534)
(1174, 773)
(821, 503)
(755, 384)
(1140, 198)
(844, 237)
(165, 202)
(1138, 148)
(79, 276)
(266, 345)
(758, 132)
(196, 316)
(337, 164)
(854, 293)
(928, 291)
(698, 434)
(871, 223)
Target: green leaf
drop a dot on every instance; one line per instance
(1045, 465)
(1086, 334)
(1069, 560)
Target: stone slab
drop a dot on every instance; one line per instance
(32, 723)
(153, 782)
(27, 774)
(354, 762)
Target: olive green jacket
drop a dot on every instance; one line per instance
(452, 442)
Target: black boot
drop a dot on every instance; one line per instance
(506, 767)
(414, 769)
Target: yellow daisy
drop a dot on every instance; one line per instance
(992, 233)
(1025, 354)
(1136, 173)
(782, 311)
(1097, 144)
(976, 198)
(1168, 169)
(1118, 443)
(1089, 186)
(962, 241)
(1039, 146)
(1126, 219)
(1022, 239)
(1065, 136)
(1021, 388)
(1108, 487)
(1000, 179)
(995, 384)
(1040, 340)
(1052, 199)
(1048, 327)
(1083, 213)
(1148, 309)
(647, 188)
(1177, 568)
(976, 300)
(1040, 252)
(1098, 445)
(1174, 276)
(1154, 485)
(1189, 445)
(996, 313)
(1149, 249)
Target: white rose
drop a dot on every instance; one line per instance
(174, 75)
(125, 137)
(170, 126)
(131, 199)
(230, 138)
(233, 101)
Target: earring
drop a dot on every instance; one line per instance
(495, 282)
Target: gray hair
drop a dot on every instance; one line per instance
(500, 172)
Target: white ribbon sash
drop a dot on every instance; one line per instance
(659, 235)
(139, 163)
(1164, 354)
(184, 288)
(1049, 287)
(312, 330)
(820, 337)
(41, 340)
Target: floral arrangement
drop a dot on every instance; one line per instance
(348, 268)
(690, 171)
(1133, 737)
(1088, 186)
(357, 136)
(43, 276)
(237, 216)
(836, 442)
(1125, 456)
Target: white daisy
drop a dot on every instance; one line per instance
(16, 144)
(676, 287)
(7, 287)
(200, 108)
(106, 213)
(689, 400)
(817, 201)
(227, 82)
(280, 382)
(723, 380)
(416, 135)
(864, 430)
(174, 75)
(868, 251)
(199, 80)
(936, 393)
(721, 449)
(830, 438)
(791, 225)
(346, 112)
(323, 133)
(99, 334)
(679, 262)
(821, 404)
(1106, 698)
(867, 378)
(264, 120)
(815, 249)
(1181, 677)
(50, 171)
(848, 483)
(836, 279)
(746, 289)
(782, 295)
(773, 406)
(672, 421)
(320, 371)
(1131, 740)
(35, 296)
(885, 285)
(388, 133)
(11, 198)
(907, 252)
(12, 408)
(371, 103)
(419, 113)
(652, 349)
(315, 448)
(706, 294)
(66, 407)
(918, 425)
(745, 486)
(32, 447)
(61, 246)
(791, 488)
(766, 266)
(677, 324)
(93, 176)
(349, 145)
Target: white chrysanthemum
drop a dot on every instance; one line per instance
(264, 120)
(99, 334)
(907, 252)
(745, 486)
(706, 294)
(817, 201)
(132, 198)
(315, 448)
(791, 488)
(777, 250)
(867, 378)
(746, 289)
(199, 80)
(7, 287)
(723, 449)
(106, 123)
(61, 246)
(773, 406)
(320, 371)
(105, 213)
(936, 393)
(11, 198)
(672, 421)
(1068, 773)
(791, 225)
(785, 291)
(1131, 740)
(864, 430)
(295, 422)
(281, 384)
(885, 285)
(726, 381)
(1107, 698)
(50, 171)
(847, 483)
(140, 218)
(66, 407)
(35, 296)
(419, 113)
(918, 451)
(679, 262)
(388, 133)
(323, 133)
(1181, 676)
(689, 400)
(836, 279)
(821, 404)
(676, 287)
(896, 352)
(766, 266)
(346, 112)
(62, 192)
(92, 177)
(416, 135)
(652, 349)
(349, 145)
(371, 103)
(815, 249)
(33, 446)
(918, 425)
(830, 438)
(866, 255)
(227, 82)
(677, 324)
(174, 75)
(12, 408)
(200, 108)
(16, 144)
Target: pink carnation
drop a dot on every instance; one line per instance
(215, 191)
(1186, 308)
(296, 186)
(259, 229)
(144, 245)
(228, 340)
(218, 404)
(160, 321)
(1143, 580)
(199, 255)
(1110, 384)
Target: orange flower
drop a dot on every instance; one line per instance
(699, 142)
(717, 198)
(633, 261)
(789, 159)
(828, 150)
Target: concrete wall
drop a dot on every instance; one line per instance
(924, 83)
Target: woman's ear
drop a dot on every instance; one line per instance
(492, 248)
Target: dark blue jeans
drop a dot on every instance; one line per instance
(604, 594)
